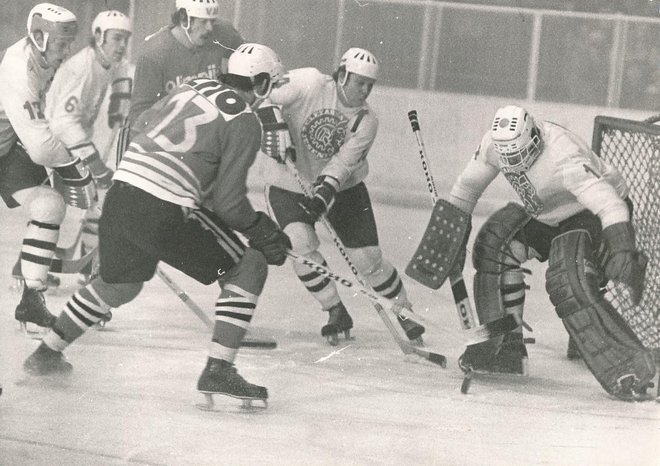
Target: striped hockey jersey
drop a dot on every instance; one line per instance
(195, 149)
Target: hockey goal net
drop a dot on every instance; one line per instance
(633, 147)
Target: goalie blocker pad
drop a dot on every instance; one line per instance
(442, 243)
(605, 341)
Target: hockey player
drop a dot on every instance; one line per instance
(575, 215)
(74, 98)
(196, 150)
(332, 128)
(196, 45)
(28, 147)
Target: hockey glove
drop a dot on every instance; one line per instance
(276, 139)
(265, 236)
(623, 262)
(323, 196)
(90, 157)
(74, 182)
(120, 100)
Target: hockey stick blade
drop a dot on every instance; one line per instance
(246, 342)
(58, 265)
(380, 304)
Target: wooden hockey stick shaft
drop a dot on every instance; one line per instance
(364, 288)
(199, 312)
(465, 311)
(380, 304)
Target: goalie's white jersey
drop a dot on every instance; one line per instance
(568, 177)
(23, 86)
(76, 94)
(329, 138)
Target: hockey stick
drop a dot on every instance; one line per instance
(199, 312)
(365, 289)
(379, 302)
(59, 265)
(466, 314)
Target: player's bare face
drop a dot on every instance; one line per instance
(356, 89)
(57, 50)
(116, 42)
(200, 31)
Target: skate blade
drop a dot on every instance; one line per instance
(471, 374)
(32, 331)
(333, 338)
(246, 404)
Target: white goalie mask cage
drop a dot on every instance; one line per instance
(53, 21)
(516, 139)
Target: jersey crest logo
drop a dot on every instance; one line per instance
(324, 131)
(526, 191)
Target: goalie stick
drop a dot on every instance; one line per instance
(459, 291)
(247, 342)
(380, 303)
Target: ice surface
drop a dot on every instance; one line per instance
(131, 397)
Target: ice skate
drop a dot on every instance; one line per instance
(220, 378)
(45, 361)
(413, 330)
(484, 359)
(52, 281)
(572, 352)
(339, 321)
(32, 308)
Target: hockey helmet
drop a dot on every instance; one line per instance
(516, 138)
(360, 61)
(250, 60)
(111, 19)
(53, 21)
(206, 9)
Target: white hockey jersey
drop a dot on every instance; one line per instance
(75, 97)
(330, 138)
(23, 86)
(566, 178)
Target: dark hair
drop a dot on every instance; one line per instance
(335, 74)
(243, 83)
(179, 16)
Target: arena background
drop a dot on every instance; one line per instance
(440, 58)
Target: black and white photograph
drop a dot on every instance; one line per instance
(330, 232)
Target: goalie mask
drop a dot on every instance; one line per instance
(516, 139)
(53, 22)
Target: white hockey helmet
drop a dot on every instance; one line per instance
(250, 60)
(205, 9)
(516, 138)
(53, 21)
(111, 19)
(360, 61)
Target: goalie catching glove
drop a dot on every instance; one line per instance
(623, 262)
(276, 140)
(88, 154)
(323, 196)
(266, 237)
(74, 182)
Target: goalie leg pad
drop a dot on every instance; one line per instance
(499, 286)
(442, 247)
(612, 353)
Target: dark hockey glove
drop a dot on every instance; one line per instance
(90, 157)
(276, 140)
(323, 196)
(623, 262)
(74, 182)
(265, 236)
(120, 100)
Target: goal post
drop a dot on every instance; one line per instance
(633, 148)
